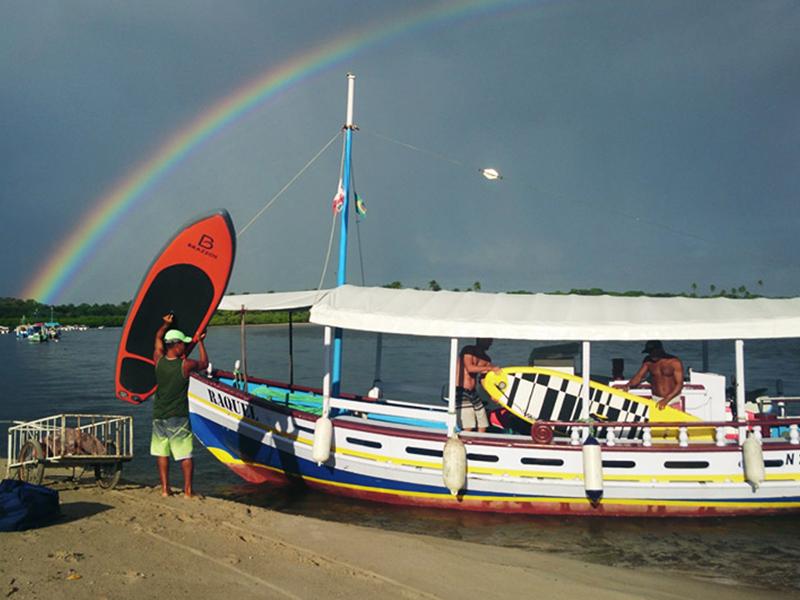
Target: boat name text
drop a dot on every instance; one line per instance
(232, 404)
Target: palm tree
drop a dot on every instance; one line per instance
(713, 288)
(434, 285)
(694, 289)
(476, 286)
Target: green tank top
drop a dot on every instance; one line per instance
(172, 398)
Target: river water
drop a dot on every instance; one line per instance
(76, 375)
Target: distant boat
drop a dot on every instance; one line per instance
(37, 333)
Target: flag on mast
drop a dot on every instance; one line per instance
(361, 206)
(338, 199)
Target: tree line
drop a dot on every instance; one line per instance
(14, 310)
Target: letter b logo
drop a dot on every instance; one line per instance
(206, 241)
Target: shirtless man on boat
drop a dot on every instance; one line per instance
(472, 361)
(665, 370)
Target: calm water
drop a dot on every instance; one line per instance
(76, 375)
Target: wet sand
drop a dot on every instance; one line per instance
(132, 543)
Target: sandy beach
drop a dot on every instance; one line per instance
(132, 543)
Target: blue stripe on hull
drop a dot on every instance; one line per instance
(244, 448)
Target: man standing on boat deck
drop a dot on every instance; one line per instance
(665, 370)
(472, 361)
(172, 433)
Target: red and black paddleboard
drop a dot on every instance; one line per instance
(188, 278)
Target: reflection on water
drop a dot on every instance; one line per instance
(76, 375)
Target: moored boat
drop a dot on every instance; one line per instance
(394, 451)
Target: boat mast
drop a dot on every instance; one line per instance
(341, 277)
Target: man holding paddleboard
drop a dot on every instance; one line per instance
(472, 361)
(665, 370)
(172, 433)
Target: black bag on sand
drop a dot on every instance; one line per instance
(24, 505)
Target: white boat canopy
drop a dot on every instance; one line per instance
(272, 300)
(548, 317)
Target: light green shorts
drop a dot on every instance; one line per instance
(172, 436)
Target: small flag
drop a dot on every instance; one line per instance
(361, 207)
(338, 199)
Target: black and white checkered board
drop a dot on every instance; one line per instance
(541, 397)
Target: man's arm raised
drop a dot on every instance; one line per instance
(158, 346)
(190, 365)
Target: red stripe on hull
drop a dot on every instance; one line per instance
(577, 508)
(262, 475)
(257, 474)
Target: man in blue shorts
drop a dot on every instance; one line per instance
(172, 433)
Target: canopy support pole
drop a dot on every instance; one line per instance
(740, 389)
(326, 379)
(378, 359)
(243, 344)
(451, 397)
(705, 356)
(291, 352)
(586, 365)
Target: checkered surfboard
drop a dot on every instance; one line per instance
(537, 394)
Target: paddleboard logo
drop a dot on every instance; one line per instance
(205, 245)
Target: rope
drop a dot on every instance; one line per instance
(289, 184)
(328, 255)
(415, 148)
(637, 219)
(358, 224)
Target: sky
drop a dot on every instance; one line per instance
(643, 145)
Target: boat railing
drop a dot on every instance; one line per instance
(392, 409)
(787, 429)
(776, 405)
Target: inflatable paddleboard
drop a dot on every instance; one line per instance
(539, 394)
(188, 278)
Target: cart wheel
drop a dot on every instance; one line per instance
(32, 454)
(108, 474)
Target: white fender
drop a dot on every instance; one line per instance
(753, 462)
(323, 435)
(592, 470)
(454, 465)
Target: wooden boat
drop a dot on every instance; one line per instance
(398, 452)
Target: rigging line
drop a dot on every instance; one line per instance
(333, 222)
(289, 184)
(360, 255)
(328, 255)
(358, 223)
(415, 148)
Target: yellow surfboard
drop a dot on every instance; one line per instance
(540, 394)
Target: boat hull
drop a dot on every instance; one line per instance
(266, 443)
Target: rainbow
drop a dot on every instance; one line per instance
(73, 253)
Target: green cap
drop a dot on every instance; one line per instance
(176, 335)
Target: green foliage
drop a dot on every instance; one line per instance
(233, 317)
(13, 310)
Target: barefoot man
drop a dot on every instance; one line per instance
(172, 433)
(472, 362)
(665, 370)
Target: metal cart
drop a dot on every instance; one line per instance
(102, 442)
